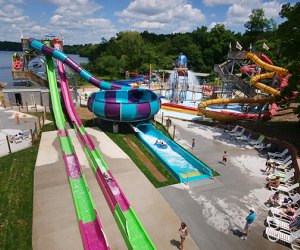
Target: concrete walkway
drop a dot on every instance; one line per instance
(9, 127)
(215, 211)
(54, 219)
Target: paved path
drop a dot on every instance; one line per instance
(9, 126)
(215, 212)
(54, 219)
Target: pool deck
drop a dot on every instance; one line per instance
(54, 219)
(215, 210)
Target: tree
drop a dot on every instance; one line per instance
(289, 34)
(258, 22)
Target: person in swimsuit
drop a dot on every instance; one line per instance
(224, 158)
(183, 232)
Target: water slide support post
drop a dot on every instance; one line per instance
(115, 128)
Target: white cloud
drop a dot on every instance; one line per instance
(211, 3)
(239, 12)
(161, 16)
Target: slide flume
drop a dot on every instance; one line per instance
(131, 228)
(93, 236)
(229, 116)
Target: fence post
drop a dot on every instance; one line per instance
(35, 126)
(32, 139)
(43, 119)
(162, 118)
(40, 124)
(174, 132)
(8, 144)
(27, 107)
(35, 107)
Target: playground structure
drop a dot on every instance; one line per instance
(132, 230)
(21, 69)
(180, 80)
(251, 96)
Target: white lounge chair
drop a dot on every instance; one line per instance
(281, 174)
(262, 146)
(278, 154)
(276, 223)
(235, 129)
(284, 236)
(286, 178)
(286, 167)
(292, 200)
(284, 160)
(244, 137)
(279, 214)
(238, 133)
(289, 190)
(258, 141)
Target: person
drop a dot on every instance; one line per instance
(106, 176)
(183, 232)
(193, 143)
(156, 142)
(274, 199)
(17, 117)
(273, 183)
(25, 117)
(249, 221)
(224, 158)
(162, 143)
(269, 165)
(290, 211)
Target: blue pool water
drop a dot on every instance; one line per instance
(184, 166)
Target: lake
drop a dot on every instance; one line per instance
(5, 64)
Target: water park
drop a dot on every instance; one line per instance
(88, 191)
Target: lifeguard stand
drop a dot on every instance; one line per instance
(180, 81)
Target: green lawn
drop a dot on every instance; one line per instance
(16, 189)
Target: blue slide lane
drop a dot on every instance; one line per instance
(183, 165)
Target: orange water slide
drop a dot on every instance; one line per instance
(226, 116)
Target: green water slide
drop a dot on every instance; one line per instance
(90, 227)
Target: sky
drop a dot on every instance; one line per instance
(87, 21)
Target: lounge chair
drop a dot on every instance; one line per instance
(278, 154)
(278, 213)
(235, 129)
(25, 134)
(283, 161)
(287, 178)
(291, 200)
(291, 238)
(281, 174)
(244, 137)
(289, 190)
(238, 133)
(258, 141)
(276, 223)
(262, 146)
(284, 168)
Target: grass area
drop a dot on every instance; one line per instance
(16, 199)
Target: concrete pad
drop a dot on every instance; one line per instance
(54, 223)
(215, 213)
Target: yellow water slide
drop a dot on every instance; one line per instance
(254, 81)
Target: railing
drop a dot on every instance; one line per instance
(29, 75)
